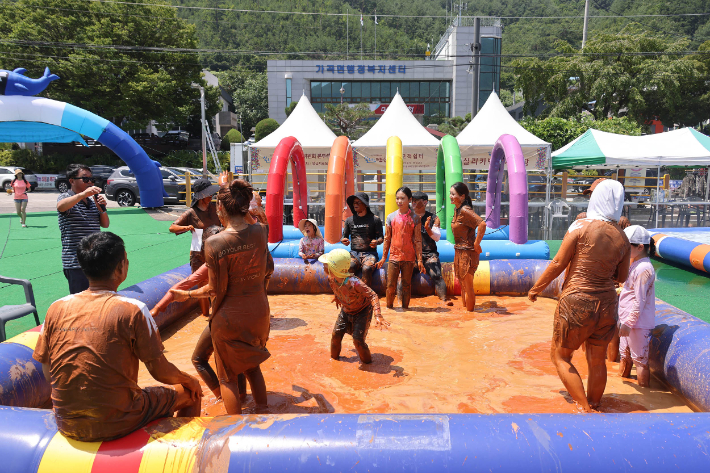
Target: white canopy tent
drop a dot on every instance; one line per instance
(493, 120)
(307, 127)
(599, 149)
(419, 147)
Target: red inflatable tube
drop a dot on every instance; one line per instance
(289, 149)
(340, 183)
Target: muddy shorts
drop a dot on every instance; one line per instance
(637, 344)
(583, 317)
(197, 259)
(356, 324)
(359, 259)
(465, 262)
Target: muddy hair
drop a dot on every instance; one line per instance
(210, 231)
(462, 189)
(236, 197)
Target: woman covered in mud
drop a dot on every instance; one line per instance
(239, 266)
(597, 253)
(467, 241)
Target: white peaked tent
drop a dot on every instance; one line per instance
(419, 147)
(477, 139)
(307, 127)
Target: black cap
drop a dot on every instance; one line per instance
(419, 195)
(203, 188)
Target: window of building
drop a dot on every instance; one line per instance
(435, 95)
(489, 78)
(288, 92)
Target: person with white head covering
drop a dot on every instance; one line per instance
(596, 252)
(637, 307)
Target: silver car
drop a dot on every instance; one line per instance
(7, 174)
(122, 186)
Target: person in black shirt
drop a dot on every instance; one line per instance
(431, 233)
(363, 232)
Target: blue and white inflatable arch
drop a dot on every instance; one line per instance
(37, 119)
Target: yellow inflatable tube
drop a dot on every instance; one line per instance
(394, 171)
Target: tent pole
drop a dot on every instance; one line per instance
(658, 186)
(249, 164)
(548, 191)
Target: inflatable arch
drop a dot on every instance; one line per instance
(340, 183)
(37, 118)
(394, 174)
(507, 148)
(289, 149)
(448, 172)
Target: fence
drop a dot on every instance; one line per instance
(653, 203)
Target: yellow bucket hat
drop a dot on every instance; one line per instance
(338, 262)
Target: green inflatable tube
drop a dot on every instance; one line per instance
(448, 172)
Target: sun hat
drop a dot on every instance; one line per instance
(203, 188)
(637, 235)
(302, 226)
(18, 171)
(362, 197)
(338, 262)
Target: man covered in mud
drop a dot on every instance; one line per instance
(89, 348)
(597, 253)
(362, 232)
(431, 233)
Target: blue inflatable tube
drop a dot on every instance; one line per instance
(372, 443)
(680, 251)
(22, 382)
(492, 249)
(292, 233)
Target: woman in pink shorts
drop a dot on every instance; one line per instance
(637, 307)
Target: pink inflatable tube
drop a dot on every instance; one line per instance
(288, 149)
(507, 148)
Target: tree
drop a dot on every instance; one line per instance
(264, 128)
(232, 136)
(619, 74)
(560, 131)
(454, 125)
(290, 108)
(103, 54)
(250, 94)
(348, 120)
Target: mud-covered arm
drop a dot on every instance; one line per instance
(418, 241)
(622, 270)
(388, 242)
(435, 230)
(199, 277)
(479, 236)
(372, 296)
(269, 268)
(379, 235)
(557, 265)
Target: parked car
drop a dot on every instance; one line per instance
(100, 172)
(580, 184)
(7, 174)
(196, 173)
(538, 185)
(123, 187)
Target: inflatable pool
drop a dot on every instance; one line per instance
(689, 247)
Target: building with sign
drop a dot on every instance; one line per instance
(440, 86)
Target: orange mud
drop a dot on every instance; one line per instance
(433, 359)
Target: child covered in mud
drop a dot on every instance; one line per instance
(637, 307)
(311, 245)
(357, 304)
(403, 238)
(362, 232)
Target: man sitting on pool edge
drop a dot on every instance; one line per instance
(89, 347)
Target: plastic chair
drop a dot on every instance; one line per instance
(557, 209)
(12, 312)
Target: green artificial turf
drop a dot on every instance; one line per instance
(34, 253)
(682, 287)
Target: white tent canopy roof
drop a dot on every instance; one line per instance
(684, 147)
(418, 145)
(305, 125)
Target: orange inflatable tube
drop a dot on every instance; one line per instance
(340, 183)
(288, 149)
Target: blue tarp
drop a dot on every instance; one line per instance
(36, 132)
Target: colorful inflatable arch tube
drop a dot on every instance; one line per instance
(288, 150)
(340, 183)
(448, 172)
(507, 151)
(292, 233)
(682, 252)
(68, 122)
(394, 175)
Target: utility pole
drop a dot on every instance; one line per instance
(586, 20)
(204, 123)
(347, 35)
(476, 49)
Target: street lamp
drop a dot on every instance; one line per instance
(204, 138)
(342, 92)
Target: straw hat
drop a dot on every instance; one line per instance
(18, 171)
(338, 262)
(302, 226)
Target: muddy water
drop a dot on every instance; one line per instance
(433, 358)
